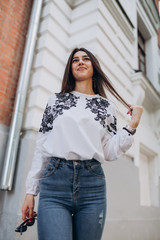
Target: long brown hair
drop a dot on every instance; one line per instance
(99, 77)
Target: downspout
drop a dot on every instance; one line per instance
(17, 118)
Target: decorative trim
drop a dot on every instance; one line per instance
(125, 14)
(151, 13)
(120, 18)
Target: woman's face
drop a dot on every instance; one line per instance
(82, 68)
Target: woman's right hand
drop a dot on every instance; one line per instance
(28, 207)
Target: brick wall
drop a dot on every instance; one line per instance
(159, 37)
(14, 21)
(157, 3)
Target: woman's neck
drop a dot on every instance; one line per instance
(84, 88)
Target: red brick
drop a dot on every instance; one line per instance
(159, 37)
(14, 21)
(157, 4)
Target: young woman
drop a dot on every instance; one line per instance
(78, 133)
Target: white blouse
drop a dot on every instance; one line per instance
(76, 126)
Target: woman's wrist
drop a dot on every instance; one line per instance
(129, 129)
(30, 195)
(133, 125)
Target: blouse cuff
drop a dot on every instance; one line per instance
(33, 188)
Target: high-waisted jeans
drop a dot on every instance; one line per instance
(72, 203)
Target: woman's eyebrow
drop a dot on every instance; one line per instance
(82, 56)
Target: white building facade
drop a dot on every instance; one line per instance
(123, 36)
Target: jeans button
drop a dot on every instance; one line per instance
(76, 163)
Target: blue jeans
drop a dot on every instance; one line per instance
(72, 203)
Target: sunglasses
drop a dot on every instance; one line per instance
(23, 226)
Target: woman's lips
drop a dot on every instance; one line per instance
(81, 68)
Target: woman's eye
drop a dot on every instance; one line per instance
(86, 59)
(74, 60)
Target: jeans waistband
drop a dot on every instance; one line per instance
(71, 163)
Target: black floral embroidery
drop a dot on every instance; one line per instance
(112, 127)
(99, 107)
(47, 120)
(64, 101)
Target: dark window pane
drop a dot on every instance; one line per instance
(142, 58)
(141, 53)
(142, 67)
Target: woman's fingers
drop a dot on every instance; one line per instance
(24, 212)
(130, 109)
(31, 212)
(135, 109)
(34, 214)
(28, 206)
(130, 112)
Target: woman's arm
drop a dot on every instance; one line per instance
(115, 145)
(39, 161)
(136, 113)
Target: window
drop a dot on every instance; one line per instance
(149, 193)
(144, 181)
(141, 53)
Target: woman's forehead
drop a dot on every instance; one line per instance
(80, 54)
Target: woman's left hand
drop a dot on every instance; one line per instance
(136, 112)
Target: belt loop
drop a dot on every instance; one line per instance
(86, 163)
(57, 162)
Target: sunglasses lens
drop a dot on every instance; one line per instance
(21, 229)
(30, 223)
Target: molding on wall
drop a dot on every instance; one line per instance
(120, 19)
(151, 12)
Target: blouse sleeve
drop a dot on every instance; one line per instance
(115, 142)
(40, 158)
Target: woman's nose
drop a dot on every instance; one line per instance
(80, 61)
